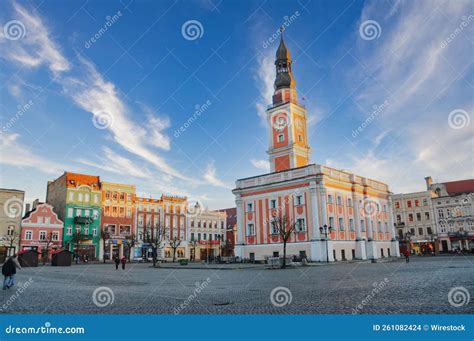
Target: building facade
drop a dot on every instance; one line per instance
(118, 218)
(168, 212)
(76, 199)
(415, 222)
(231, 231)
(206, 234)
(41, 230)
(11, 212)
(453, 208)
(356, 211)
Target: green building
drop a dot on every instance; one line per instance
(76, 199)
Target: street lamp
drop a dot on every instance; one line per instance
(325, 230)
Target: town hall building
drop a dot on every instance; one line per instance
(338, 215)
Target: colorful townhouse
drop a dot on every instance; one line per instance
(118, 218)
(337, 215)
(76, 199)
(41, 230)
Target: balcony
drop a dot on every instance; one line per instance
(458, 234)
(83, 220)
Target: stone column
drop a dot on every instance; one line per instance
(361, 250)
(121, 251)
(316, 234)
(238, 250)
(111, 250)
(324, 206)
(394, 247)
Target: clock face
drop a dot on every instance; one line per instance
(280, 123)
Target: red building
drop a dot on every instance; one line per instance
(231, 231)
(41, 229)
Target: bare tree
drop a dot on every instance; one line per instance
(130, 241)
(174, 244)
(104, 235)
(10, 240)
(77, 237)
(284, 227)
(156, 239)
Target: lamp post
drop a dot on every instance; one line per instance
(407, 240)
(325, 230)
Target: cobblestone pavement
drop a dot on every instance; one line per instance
(422, 286)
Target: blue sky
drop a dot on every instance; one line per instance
(388, 86)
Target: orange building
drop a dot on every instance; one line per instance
(337, 215)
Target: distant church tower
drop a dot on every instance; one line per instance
(287, 119)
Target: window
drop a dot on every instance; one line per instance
(331, 222)
(96, 199)
(339, 200)
(300, 138)
(440, 214)
(122, 212)
(47, 220)
(129, 197)
(78, 212)
(427, 215)
(222, 224)
(11, 230)
(417, 203)
(386, 227)
(379, 226)
(204, 224)
(409, 203)
(199, 223)
(397, 204)
(28, 235)
(273, 203)
(300, 225)
(420, 231)
(199, 236)
(122, 196)
(42, 235)
(250, 207)
(330, 199)
(69, 230)
(87, 197)
(96, 214)
(341, 224)
(204, 236)
(351, 224)
(362, 225)
(281, 138)
(192, 223)
(273, 228)
(70, 212)
(55, 236)
(192, 235)
(80, 197)
(349, 202)
(418, 217)
(114, 211)
(86, 213)
(250, 229)
(299, 200)
(71, 196)
(399, 218)
(78, 229)
(429, 230)
(129, 212)
(86, 230)
(410, 217)
(425, 202)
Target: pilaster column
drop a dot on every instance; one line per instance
(390, 217)
(324, 206)
(355, 200)
(240, 227)
(316, 234)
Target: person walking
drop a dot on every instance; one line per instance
(117, 262)
(407, 256)
(123, 261)
(9, 271)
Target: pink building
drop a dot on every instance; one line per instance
(41, 228)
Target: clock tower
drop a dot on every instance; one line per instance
(287, 118)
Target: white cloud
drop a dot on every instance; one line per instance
(36, 47)
(261, 164)
(211, 177)
(265, 78)
(14, 153)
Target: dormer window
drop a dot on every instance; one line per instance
(281, 138)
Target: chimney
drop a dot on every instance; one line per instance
(429, 182)
(27, 208)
